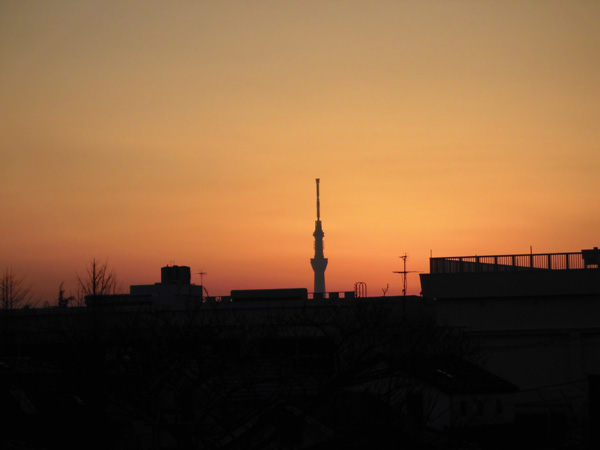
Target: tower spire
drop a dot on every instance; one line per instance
(318, 202)
(319, 262)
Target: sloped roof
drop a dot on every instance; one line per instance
(448, 373)
(454, 375)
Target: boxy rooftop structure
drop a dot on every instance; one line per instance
(541, 274)
(536, 318)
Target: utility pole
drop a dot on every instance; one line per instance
(404, 272)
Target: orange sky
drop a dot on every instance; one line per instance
(149, 133)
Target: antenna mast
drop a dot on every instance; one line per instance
(404, 272)
(318, 201)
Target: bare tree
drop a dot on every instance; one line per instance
(63, 301)
(14, 293)
(99, 279)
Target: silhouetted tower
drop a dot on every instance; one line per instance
(319, 262)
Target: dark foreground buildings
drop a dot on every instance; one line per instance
(537, 319)
(498, 351)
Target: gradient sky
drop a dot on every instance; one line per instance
(148, 133)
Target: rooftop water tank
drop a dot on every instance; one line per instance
(175, 275)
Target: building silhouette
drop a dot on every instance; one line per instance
(499, 349)
(260, 368)
(174, 292)
(537, 319)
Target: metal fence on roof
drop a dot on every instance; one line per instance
(512, 263)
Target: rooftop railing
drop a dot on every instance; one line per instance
(586, 259)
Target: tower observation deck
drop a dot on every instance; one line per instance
(319, 262)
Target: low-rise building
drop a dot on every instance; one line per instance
(537, 317)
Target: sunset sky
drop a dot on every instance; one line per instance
(147, 133)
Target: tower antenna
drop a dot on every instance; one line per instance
(404, 272)
(318, 201)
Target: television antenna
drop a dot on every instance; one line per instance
(201, 273)
(404, 272)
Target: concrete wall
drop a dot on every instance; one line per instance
(520, 313)
(538, 329)
(511, 284)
